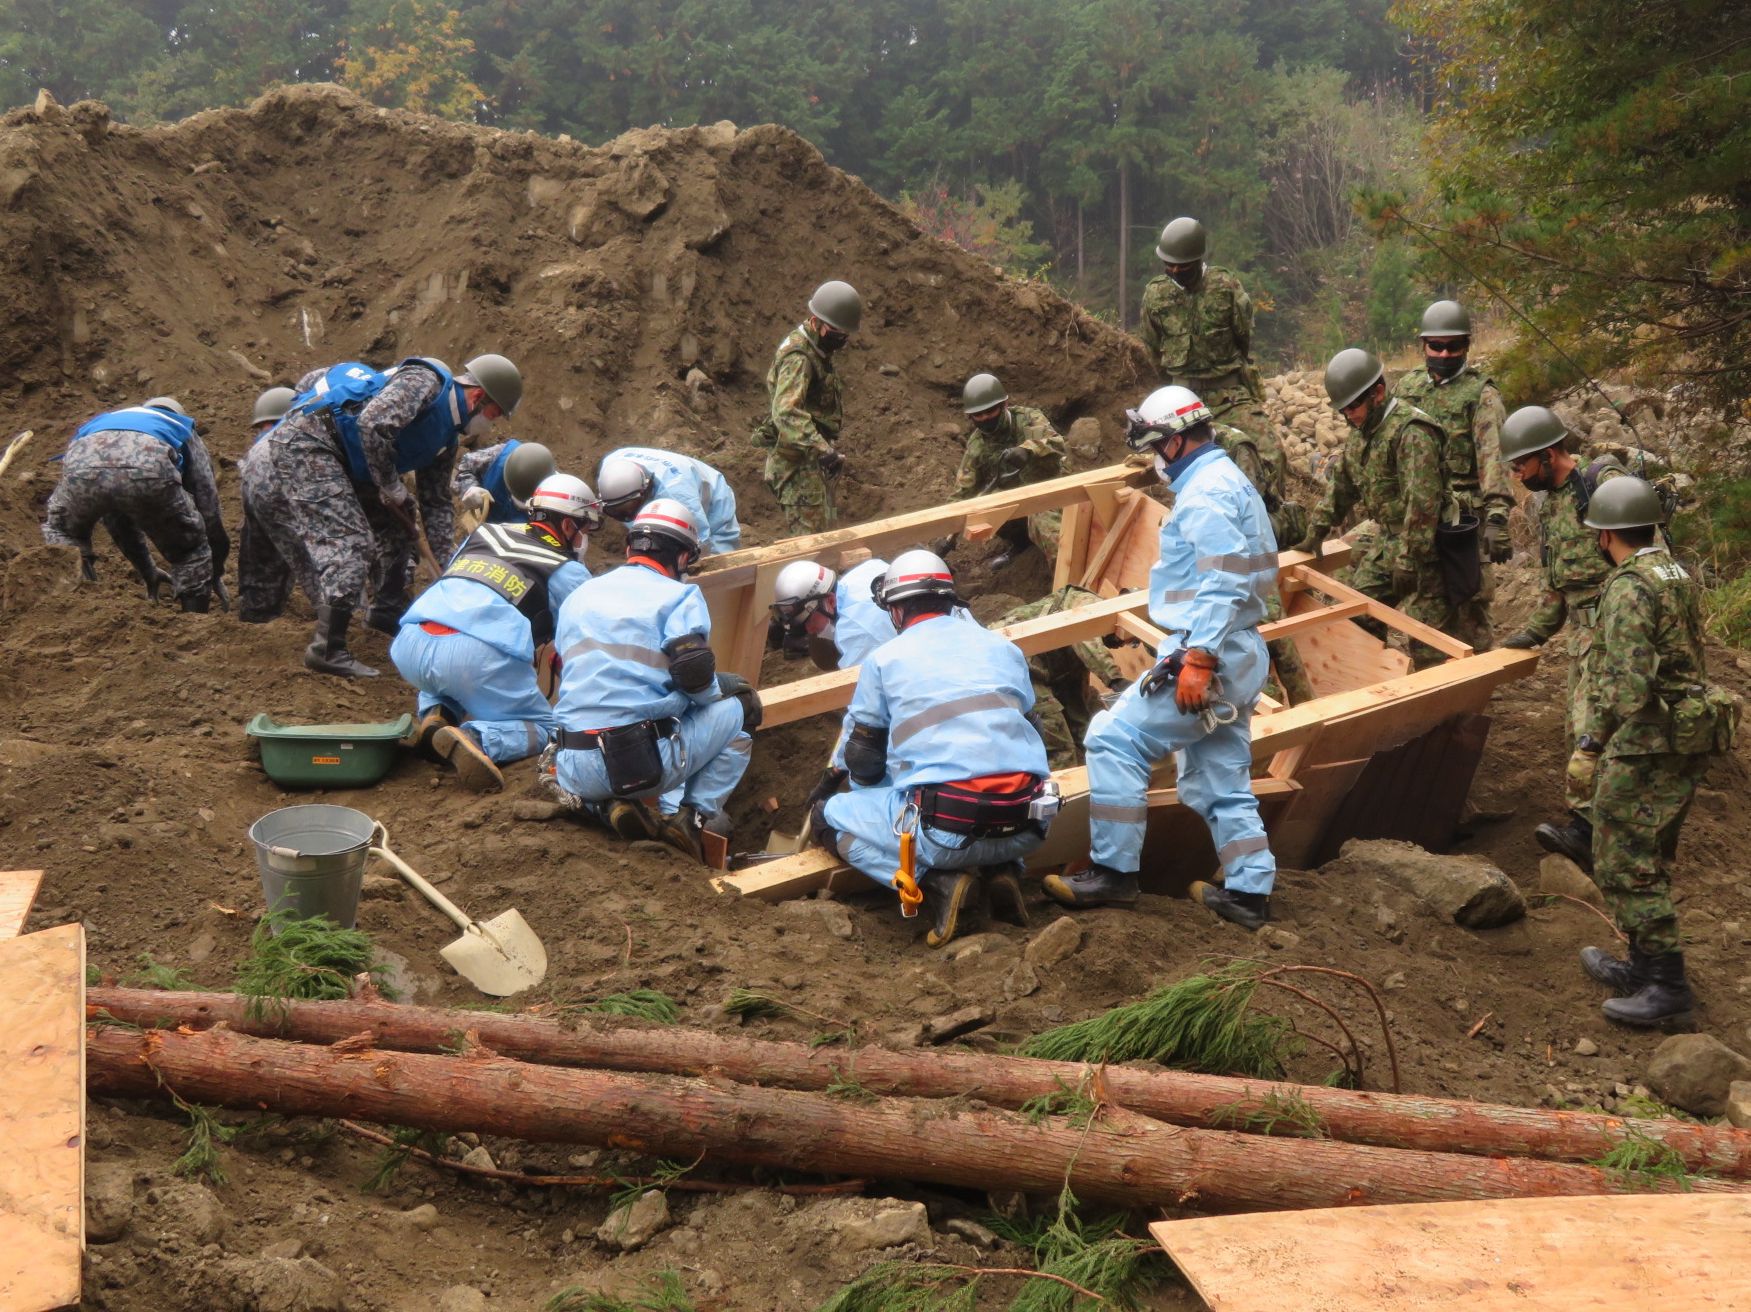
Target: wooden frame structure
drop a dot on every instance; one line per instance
(1307, 758)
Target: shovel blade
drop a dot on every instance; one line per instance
(500, 956)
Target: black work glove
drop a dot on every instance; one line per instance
(775, 633)
(220, 542)
(1315, 539)
(1164, 674)
(831, 462)
(1404, 582)
(88, 568)
(1496, 542)
(734, 685)
(1010, 464)
(1522, 641)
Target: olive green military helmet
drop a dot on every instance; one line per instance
(837, 305)
(498, 378)
(169, 403)
(1529, 429)
(271, 405)
(1183, 241)
(525, 467)
(1625, 502)
(1445, 319)
(983, 392)
(1351, 372)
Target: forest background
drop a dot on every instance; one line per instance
(1585, 162)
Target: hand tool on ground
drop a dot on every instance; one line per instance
(474, 517)
(906, 877)
(786, 844)
(222, 593)
(406, 516)
(13, 447)
(499, 957)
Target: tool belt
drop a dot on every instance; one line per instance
(994, 806)
(631, 753)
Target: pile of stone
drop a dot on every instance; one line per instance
(1312, 431)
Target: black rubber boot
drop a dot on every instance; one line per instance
(631, 820)
(1573, 840)
(946, 895)
(385, 617)
(1664, 1001)
(327, 652)
(822, 834)
(681, 832)
(197, 604)
(1248, 910)
(1097, 886)
(1620, 976)
(1003, 896)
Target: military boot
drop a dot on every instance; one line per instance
(327, 652)
(946, 894)
(1573, 840)
(681, 831)
(385, 616)
(475, 770)
(1622, 977)
(419, 738)
(631, 820)
(1664, 1000)
(1003, 897)
(196, 603)
(1095, 886)
(1248, 910)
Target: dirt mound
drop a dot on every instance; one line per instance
(642, 286)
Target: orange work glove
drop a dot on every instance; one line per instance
(1192, 692)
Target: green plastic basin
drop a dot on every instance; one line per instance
(327, 755)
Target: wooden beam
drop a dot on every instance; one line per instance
(1524, 1254)
(18, 889)
(42, 1172)
(1115, 536)
(1427, 634)
(1291, 625)
(1073, 531)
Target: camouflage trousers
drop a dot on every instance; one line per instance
(1286, 661)
(1578, 633)
(1372, 574)
(1060, 677)
(349, 540)
(134, 504)
(805, 496)
(1639, 805)
(270, 554)
(1471, 620)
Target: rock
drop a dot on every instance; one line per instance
(1693, 1072)
(1085, 437)
(1393, 981)
(382, 888)
(1021, 981)
(832, 916)
(481, 1158)
(1739, 1103)
(1466, 889)
(901, 1223)
(537, 808)
(193, 1211)
(423, 1217)
(1280, 940)
(974, 945)
(972, 1232)
(1558, 874)
(1586, 1048)
(633, 1225)
(956, 1023)
(109, 1201)
(461, 1298)
(1056, 942)
(278, 1284)
(289, 1250)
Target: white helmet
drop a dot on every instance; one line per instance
(915, 573)
(801, 586)
(1164, 413)
(664, 522)
(625, 484)
(568, 496)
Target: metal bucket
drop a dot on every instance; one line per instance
(312, 860)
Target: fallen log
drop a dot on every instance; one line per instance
(1119, 1157)
(1381, 1119)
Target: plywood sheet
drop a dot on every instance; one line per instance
(42, 1101)
(1527, 1254)
(18, 890)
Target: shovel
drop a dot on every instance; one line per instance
(790, 844)
(499, 957)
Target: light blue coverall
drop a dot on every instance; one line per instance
(1218, 567)
(703, 490)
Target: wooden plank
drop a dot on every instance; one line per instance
(1340, 657)
(1291, 626)
(1597, 1254)
(1427, 634)
(1073, 534)
(1132, 502)
(18, 889)
(42, 1172)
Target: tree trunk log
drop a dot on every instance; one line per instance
(1125, 1158)
(1382, 1120)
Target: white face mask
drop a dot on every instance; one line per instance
(1160, 467)
(580, 547)
(479, 425)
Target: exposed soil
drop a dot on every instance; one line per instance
(132, 265)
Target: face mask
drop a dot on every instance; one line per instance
(1444, 366)
(1604, 554)
(832, 341)
(580, 547)
(989, 425)
(479, 425)
(1540, 480)
(1189, 278)
(1161, 468)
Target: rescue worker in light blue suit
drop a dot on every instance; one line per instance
(643, 712)
(939, 742)
(832, 618)
(468, 641)
(633, 475)
(1208, 591)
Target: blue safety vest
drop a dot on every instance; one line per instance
(492, 481)
(342, 392)
(166, 425)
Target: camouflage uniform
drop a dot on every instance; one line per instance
(1644, 670)
(130, 483)
(1391, 472)
(471, 467)
(1202, 339)
(981, 467)
(1470, 409)
(807, 409)
(346, 531)
(270, 554)
(1262, 460)
(1060, 677)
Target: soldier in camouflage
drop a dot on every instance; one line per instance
(801, 429)
(1010, 446)
(1650, 723)
(144, 473)
(1467, 405)
(1060, 677)
(1390, 472)
(1534, 447)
